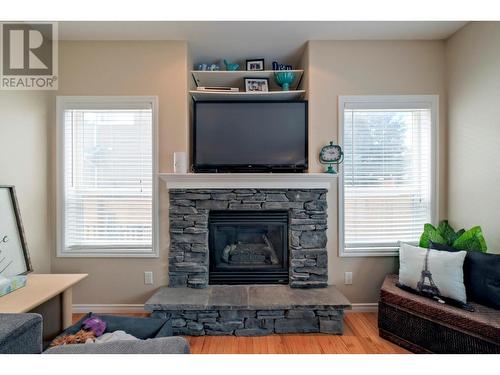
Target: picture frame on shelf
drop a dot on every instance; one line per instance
(255, 64)
(256, 84)
(14, 255)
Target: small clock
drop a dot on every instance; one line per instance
(331, 154)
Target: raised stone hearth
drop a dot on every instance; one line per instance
(189, 231)
(250, 310)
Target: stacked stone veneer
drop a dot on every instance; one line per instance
(254, 322)
(189, 211)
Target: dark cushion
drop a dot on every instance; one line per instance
(481, 276)
(142, 328)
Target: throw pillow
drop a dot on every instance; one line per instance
(481, 275)
(432, 273)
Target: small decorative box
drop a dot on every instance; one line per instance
(9, 284)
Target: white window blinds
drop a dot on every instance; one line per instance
(387, 191)
(108, 177)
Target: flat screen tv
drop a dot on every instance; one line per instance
(250, 136)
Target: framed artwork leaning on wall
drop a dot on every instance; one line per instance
(14, 255)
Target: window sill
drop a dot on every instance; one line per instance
(390, 252)
(107, 254)
(368, 254)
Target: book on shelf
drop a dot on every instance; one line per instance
(217, 88)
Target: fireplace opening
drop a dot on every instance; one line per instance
(248, 247)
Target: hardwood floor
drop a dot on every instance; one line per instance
(360, 337)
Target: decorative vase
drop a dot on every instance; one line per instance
(231, 66)
(284, 79)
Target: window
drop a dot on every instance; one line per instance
(387, 189)
(106, 185)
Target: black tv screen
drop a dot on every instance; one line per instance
(250, 136)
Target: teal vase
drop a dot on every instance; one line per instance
(284, 79)
(231, 66)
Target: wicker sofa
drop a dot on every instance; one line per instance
(422, 325)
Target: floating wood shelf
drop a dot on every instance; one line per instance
(242, 95)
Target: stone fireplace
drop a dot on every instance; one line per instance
(248, 256)
(248, 236)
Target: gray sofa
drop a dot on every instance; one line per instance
(22, 334)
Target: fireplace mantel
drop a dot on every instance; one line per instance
(248, 180)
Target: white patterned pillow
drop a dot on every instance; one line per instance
(432, 272)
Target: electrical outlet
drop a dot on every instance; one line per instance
(348, 278)
(148, 278)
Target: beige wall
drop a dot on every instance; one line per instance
(161, 68)
(367, 68)
(473, 62)
(127, 68)
(23, 163)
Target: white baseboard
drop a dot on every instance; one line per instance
(108, 308)
(138, 308)
(363, 307)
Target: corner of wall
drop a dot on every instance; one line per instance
(190, 85)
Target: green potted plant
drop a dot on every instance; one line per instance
(444, 234)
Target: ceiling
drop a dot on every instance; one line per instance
(209, 41)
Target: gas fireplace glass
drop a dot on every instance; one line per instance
(248, 247)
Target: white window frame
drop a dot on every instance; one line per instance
(102, 101)
(387, 100)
